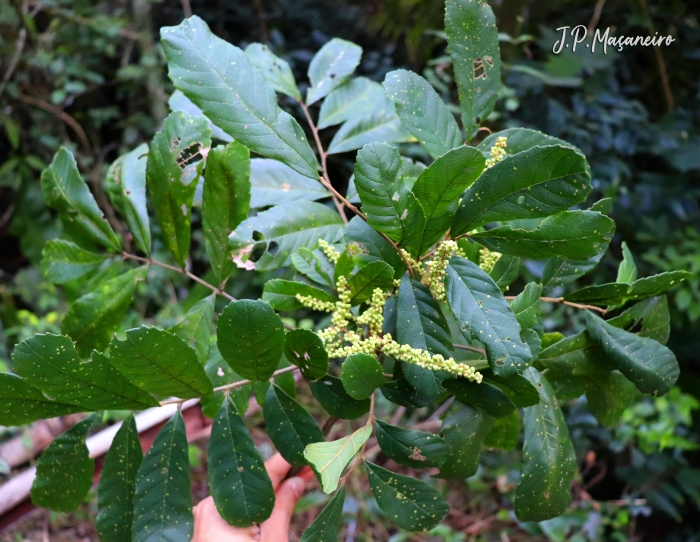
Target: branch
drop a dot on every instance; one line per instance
(19, 49)
(569, 303)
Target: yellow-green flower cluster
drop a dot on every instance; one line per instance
(487, 259)
(373, 317)
(329, 251)
(434, 276)
(411, 261)
(497, 152)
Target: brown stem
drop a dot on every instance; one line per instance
(569, 303)
(19, 49)
(659, 59)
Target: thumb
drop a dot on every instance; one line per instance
(276, 528)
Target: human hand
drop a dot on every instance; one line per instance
(209, 526)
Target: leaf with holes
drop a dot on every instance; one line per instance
(330, 392)
(369, 277)
(380, 126)
(305, 349)
(276, 71)
(195, 327)
(63, 261)
(411, 448)
(356, 98)
(464, 430)
(22, 403)
(179, 102)
(326, 526)
(251, 338)
(361, 374)
(281, 294)
(274, 182)
(331, 67)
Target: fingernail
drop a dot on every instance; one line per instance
(297, 486)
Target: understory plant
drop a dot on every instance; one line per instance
(404, 274)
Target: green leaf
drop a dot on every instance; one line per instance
(66, 191)
(305, 349)
(372, 246)
(251, 338)
(344, 266)
(439, 186)
(163, 498)
(423, 112)
(329, 459)
(472, 40)
(220, 79)
(276, 71)
(387, 200)
(126, 184)
(657, 284)
(374, 275)
(160, 362)
(64, 471)
(63, 261)
(538, 182)
(526, 306)
(225, 202)
(504, 433)
(573, 234)
(651, 315)
(179, 102)
(381, 126)
(411, 448)
(520, 140)
(22, 403)
(400, 392)
(559, 271)
(465, 431)
(611, 293)
(289, 425)
(175, 163)
(51, 363)
(93, 318)
(195, 327)
(609, 394)
(274, 182)
(330, 392)
(286, 228)
(549, 461)
(485, 316)
(238, 480)
(505, 271)
(627, 272)
(221, 374)
(648, 364)
(411, 504)
(117, 486)
(574, 355)
(281, 294)
(326, 526)
(361, 375)
(485, 396)
(516, 387)
(310, 265)
(354, 99)
(331, 67)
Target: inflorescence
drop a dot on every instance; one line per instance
(498, 152)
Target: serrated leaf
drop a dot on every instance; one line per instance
(238, 480)
(276, 71)
(330, 67)
(175, 162)
(163, 498)
(520, 140)
(221, 374)
(538, 182)
(472, 40)
(64, 471)
(289, 425)
(329, 459)
(573, 234)
(648, 364)
(411, 448)
(486, 316)
(160, 362)
(225, 202)
(411, 504)
(504, 433)
(627, 271)
(179, 102)
(195, 327)
(354, 99)
(63, 261)
(281, 294)
(374, 275)
(465, 431)
(423, 112)
(326, 526)
(526, 306)
(439, 186)
(250, 338)
(484, 395)
(117, 487)
(310, 265)
(126, 184)
(549, 461)
(274, 182)
(285, 228)
(22, 403)
(66, 191)
(387, 200)
(372, 246)
(361, 374)
(305, 349)
(51, 363)
(381, 126)
(220, 79)
(505, 271)
(330, 392)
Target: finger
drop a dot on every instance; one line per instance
(287, 496)
(209, 526)
(277, 469)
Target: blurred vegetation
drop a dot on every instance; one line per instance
(91, 75)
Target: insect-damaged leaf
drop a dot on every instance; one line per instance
(464, 430)
(63, 261)
(276, 71)
(411, 448)
(305, 349)
(361, 375)
(549, 461)
(326, 526)
(175, 162)
(330, 67)
(163, 498)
